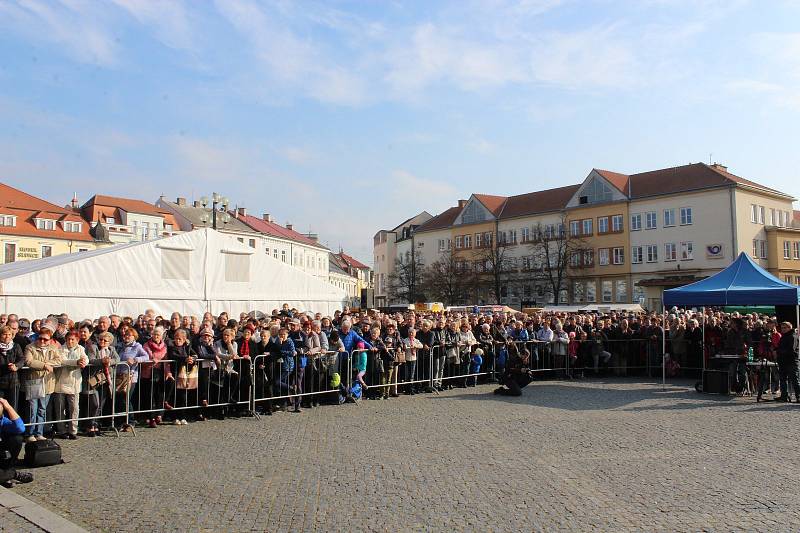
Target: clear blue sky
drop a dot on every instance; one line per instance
(347, 117)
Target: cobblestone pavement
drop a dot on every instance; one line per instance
(588, 455)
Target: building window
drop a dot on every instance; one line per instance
(168, 227)
(72, 227)
(577, 291)
(670, 252)
(575, 259)
(267, 250)
(686, 216)
(687, 251)
(459, 242)
(591, 292)
(275, 253)
(512, 236)
(574, 228)
(111, 220)
(796, 249)
(47, 250)
(773, 218)
(603, 256)
(588, 258)
(586, 226)
(650, 220)
(9, 252)
(487, 239)
(669, 217)
(636, 255)
(652, 253)
(618, 255)
(622, 291)
(8, 220)
(478, 239)
(252, 243)
(616, 223)
(786, 250)
(606, 291)
(441, 245)
(761, 214)
(602, 225)
(525, 234)
(759, 249)
(283, 255)
(467, 241)
(45, 224)
(754, 213)
(636, 222)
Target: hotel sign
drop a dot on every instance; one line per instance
(27, 253)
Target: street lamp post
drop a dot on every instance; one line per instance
(216, 200)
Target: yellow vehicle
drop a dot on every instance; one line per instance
(433, 307)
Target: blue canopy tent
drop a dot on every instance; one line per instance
(742, 283)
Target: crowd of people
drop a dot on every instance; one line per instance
(67, 377)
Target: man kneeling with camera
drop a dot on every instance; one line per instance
(11, 430)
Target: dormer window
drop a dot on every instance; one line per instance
(8, 220)
(110, 220)
(45, 223)
(72, 227)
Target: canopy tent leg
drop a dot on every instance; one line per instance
(703, 347)
(664, 351)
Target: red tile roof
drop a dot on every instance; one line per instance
(620, 181)
(276, 230)
(27, 207)
(492, 203)
(441, 221)
(351, 261)
(687, 178)
(538, 202)
(126, 204)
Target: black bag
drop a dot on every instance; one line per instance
(42, 453)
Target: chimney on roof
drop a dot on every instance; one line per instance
(266, 217)
(181, 201)
(288, 226)
(241, 211)
(462, 203)
(720, 166)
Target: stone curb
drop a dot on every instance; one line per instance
(36, 514)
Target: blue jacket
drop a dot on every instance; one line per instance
(11, 427)
(287, 354)
(351, 339)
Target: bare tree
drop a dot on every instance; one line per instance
(450, 279)
(404, 284)
(495, 267)
(552, 247)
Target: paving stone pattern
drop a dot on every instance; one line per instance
(11, 522)
(588, 455)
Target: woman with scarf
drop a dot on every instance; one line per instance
(68, 385)
(186, 371)
(152, 378)
(248, 349)
(131, 354)
(10, 361)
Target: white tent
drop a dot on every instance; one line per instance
(193, 272)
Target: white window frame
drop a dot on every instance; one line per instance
(468, 241)
(754, 213)
(41, 250)
(9, 221)
(478, 240)
(787, 249)
(669, 217)
(459, 242)
(47, 224)
(651, 253)
(670, 252)
(602, 221)
(587, 222)
(525, 234)
(796, 250)
(636, 222)
(648, 217)
(603, 256)
(636, 255)
(761, 212)
(603, 284)
(441, 245)
(617, 223)
(686, 216)
(687, 250)
(575, 228)
(618, 255)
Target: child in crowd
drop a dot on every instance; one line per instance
(475, 367)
